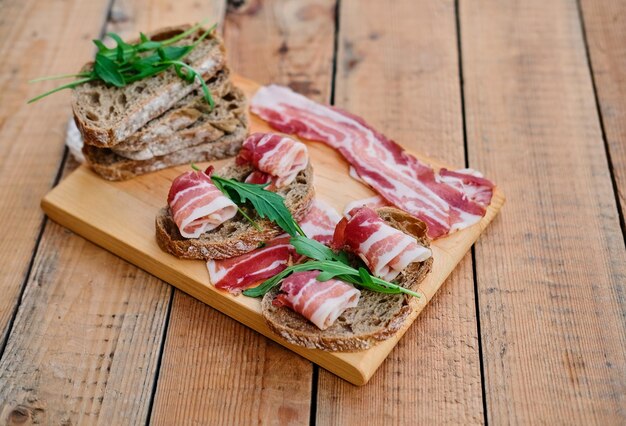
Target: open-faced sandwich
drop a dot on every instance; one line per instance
(202, 222)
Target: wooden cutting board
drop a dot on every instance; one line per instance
(119, 216)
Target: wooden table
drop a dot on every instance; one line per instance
(531, 327)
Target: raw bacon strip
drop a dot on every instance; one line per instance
(242, 272)
(380, 162)
(470, 182)
(197, 205)
(274, 155)
(319, 223)
(384, 249)
(371, 202)
(321, 302)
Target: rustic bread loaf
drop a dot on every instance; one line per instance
(107, 115)
(377, 316)
(112, 166)
(235, 236)
(190, 122)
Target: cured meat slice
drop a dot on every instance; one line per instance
(197, 205)
(245, 271)
(319, 223)
(278, 158)
(321, 302)
(384, 249)
(242, 272)
(379, 162)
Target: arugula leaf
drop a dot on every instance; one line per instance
(108, 71)
(315, 250)
(332, 269)
(269, 205)
(101, 46)
(127, 63)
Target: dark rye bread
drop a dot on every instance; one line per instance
(377, 317)
(112, 166)
(235, 236)
(107, 115)
(190, 122)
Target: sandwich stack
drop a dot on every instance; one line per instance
(162, 121)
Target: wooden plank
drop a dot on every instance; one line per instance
(552, 273)
(398, 67)
(276, 41)
(87, 338)
(605, 26)
(34, 36)
(85, 342)
(129, 232)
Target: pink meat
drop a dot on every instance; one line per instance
(321, 302)
(379, 162)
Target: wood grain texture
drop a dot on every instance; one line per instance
(241, 375)
(552, 271)
(216, 371)
(86, 342)
(605, 26)
(398, 67)
(34, 36)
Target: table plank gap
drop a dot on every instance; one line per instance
(397, 67)
(272, 41)
(481, 360)
(26, 177)
(118, 369)
(551, 273)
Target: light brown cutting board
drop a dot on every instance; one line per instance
(119, 216)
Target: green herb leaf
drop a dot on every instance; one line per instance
(108, 71)
(316, 250)
(101, 46)
(331, 269)
(267, 204)
(127, 63)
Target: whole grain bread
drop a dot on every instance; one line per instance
(112, 166)
(106, 115)
(235, 236)
(190, 122)
(378, 316)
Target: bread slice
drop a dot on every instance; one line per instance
(377, 316)
(190, 122)
(113, 166)
(235, 236)
(107, 115)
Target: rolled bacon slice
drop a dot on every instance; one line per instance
(384, 249)
(197, 205)
(321, 302)
(242, 272)
(399, 177)
(277, 158)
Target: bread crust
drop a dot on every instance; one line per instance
(112, 166)
(236, 236)
(377, 317)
